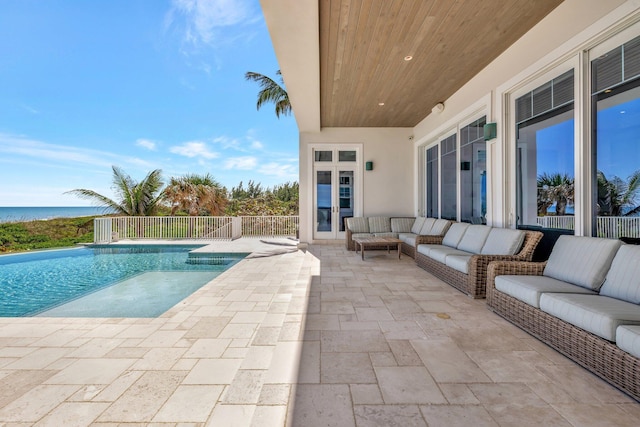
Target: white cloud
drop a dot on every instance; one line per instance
(202, 19)
(227, 142)
(194, 149)
(257, 145)
(147, 143)
(62, 154)
(30, 109)
(243, 163)
(284, 171)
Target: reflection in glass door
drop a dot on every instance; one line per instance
(324, 203)
(346, 197)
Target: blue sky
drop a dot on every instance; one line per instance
(140, 84)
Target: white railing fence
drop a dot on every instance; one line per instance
(610, 227)
(109, 229)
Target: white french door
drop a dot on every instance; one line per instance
(336, 191)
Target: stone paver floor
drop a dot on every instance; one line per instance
(315, 338)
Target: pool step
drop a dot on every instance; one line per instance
(211, 258)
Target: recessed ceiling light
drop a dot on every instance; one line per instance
(408, 58)
(380, 104)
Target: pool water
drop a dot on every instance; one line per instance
(115, 281)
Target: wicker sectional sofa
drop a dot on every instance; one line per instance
(462, 255)
(411, 231)
(375, 226)
(584, 302)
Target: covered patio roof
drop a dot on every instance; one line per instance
(346, 62)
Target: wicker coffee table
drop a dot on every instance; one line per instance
(377, 243)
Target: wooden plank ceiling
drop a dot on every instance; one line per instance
(363, 45)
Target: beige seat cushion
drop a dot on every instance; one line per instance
(594, 313)
(440, 254)
(408, 238)
(458, 262)
(582, 261)
(389, 234)
(628, 339)
(425, 248)
(528, 289)
(361, 235)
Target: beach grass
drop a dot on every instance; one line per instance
(44, 234)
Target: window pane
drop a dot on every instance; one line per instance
(432, 182)
(346, 197)
(448, 184)
(346, 156)
(615, 177)
(473, 172)
(617, 146)
(323, 156)
(545, 155)
(545, 171)
(323, 200)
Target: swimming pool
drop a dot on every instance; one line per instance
(105, 281)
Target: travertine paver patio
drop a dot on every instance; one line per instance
(316, 338)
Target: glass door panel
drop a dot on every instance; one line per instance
(345, 197)
(324, 201)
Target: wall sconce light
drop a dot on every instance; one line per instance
(439, 108)
(368, 166)
(490, 131)
(465, 166)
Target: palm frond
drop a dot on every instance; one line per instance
(271, 91)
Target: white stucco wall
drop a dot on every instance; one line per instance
(572, 27)
(387, 189)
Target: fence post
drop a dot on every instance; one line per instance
(236, 228)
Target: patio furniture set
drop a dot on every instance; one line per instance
(584, 301)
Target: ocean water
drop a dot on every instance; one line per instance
(13, 214)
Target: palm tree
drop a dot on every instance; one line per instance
(618, 198)
(134, 198)
(554, 188)
(196, 195)
(271, 91)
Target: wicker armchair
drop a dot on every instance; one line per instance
(474, 283)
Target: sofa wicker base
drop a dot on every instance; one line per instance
(409, 250)
(458, 280)
(474, 284)
(599, 356)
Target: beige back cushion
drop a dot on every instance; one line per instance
(440, 227)
(474, 238)
(426, 227)
(582, 261)
(379, 224)
(623, 279)
(401, 225)
(358, 224)
(417, 225)
(455, 233)
(503, 241)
